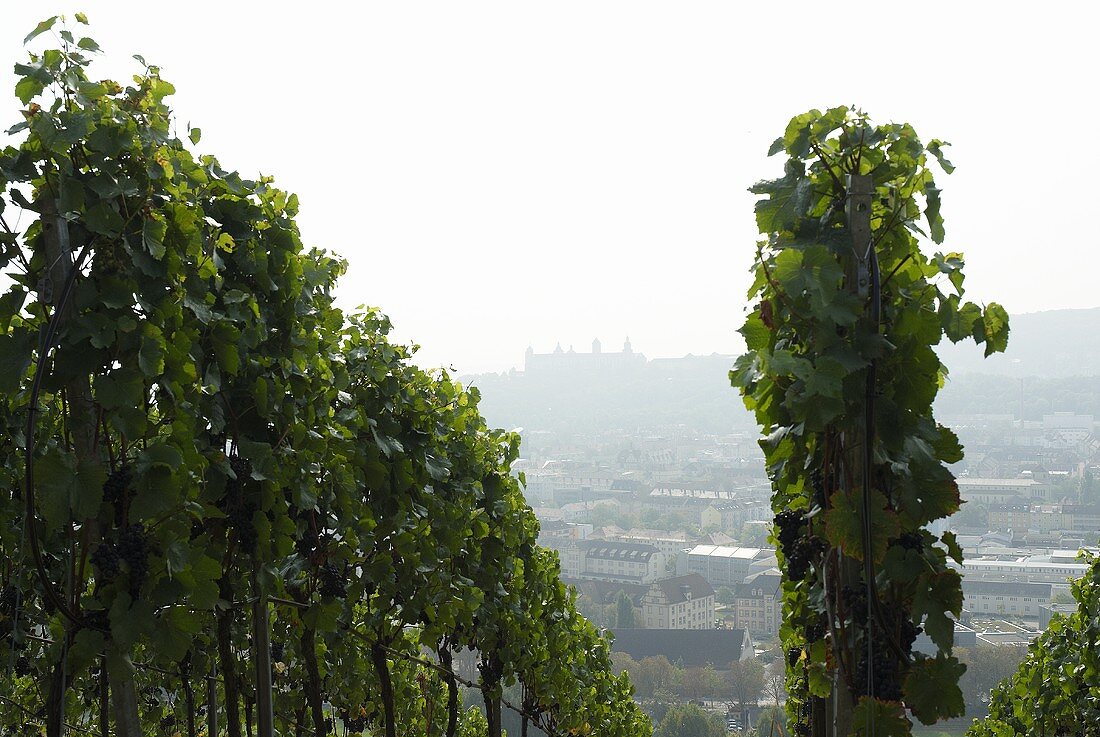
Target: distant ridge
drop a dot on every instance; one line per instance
(577, 393)
(1050, 344)
(692, 392)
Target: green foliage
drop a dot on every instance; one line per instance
(771, 722)
(825, 368)
(624, 611)
(725, 595)
(744, 682)
(1056, 689)
(987, 666)
(210, 430)
(689, 720)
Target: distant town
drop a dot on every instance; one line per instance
(661, 519)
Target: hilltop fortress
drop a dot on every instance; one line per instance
(559, 360)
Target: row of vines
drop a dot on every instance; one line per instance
(210, 473)
(841, 373)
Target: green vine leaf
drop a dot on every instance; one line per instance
(40, 29)
(787, 202)
(995, 328)
(875, 718)
(15, 358)
(931, 688)
(844, 528)
(940, 595)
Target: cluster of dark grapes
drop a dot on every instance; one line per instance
(22, 666)
(307, 543)
(793, 655)
(855, 603)
(118, 490)
(241, 468)
(97, 619)
(805, 551)
(814, 632)
(133, 549)
(912, 541)
(333, 581)
(885, 680)
(908, 634)
(118, 484)
(886, 674)
(105, 559)
(239, 510)
(801, 726)
(788, 524)
(799, 550)
(817, 483)
(354, 725)
(9, 599)
(240, 521)
(278, 652)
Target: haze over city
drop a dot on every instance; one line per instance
(233, 502)
(501, 175)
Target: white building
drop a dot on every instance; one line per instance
(623, 562)
(999, 491)
(683, 602)
(1009, 599)
(1021, 570)
(722, 565)
(758, 604)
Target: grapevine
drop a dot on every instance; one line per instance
(841, 373)
(218, 466)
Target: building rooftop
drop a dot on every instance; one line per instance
(1006, 588)
(683, 588)
(636, 552)
(1023, 565)
(1020, 483)
(769, 581)
(724, 551)
(1069, 555)
(708, 494)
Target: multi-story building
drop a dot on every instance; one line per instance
(722, 565)
(758, 604)
(1048, 569)
(1046, 518)
(999, 491)
(617, 561)
(730, 516)
(668, 542)
(564, 538)
(1011, 599)
(681, 602)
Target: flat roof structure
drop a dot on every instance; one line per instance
(726, 551)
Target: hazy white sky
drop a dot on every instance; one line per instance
(501, 174)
